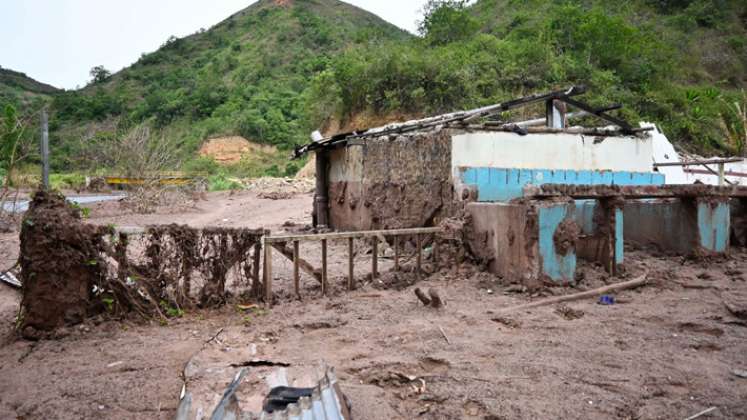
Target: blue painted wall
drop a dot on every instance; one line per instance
(501, 184)
(619, 237)
(559, 268)
(713, 226)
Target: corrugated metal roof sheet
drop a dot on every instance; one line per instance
(326, 403)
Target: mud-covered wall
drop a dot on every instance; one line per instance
(391, 182)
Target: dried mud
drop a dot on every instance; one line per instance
(60, 262)
(667, 350)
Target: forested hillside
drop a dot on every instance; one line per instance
(280, 68)
(679, 63)
(20, 90)
(247, 75)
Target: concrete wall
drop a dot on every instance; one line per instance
(552, 151)
(501, 184)
(499, 165)
(558, 266)
(499, 233)
(530, 243)
(686, 226)
(713, 226)
(739, 222)
(666, 224)
(411, 180)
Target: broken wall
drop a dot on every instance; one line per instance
(532, 242)
(391, 182)
(683, 226)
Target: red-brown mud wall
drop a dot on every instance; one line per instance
(391, 182)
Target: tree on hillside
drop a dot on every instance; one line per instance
(99, 74)
(446, 21)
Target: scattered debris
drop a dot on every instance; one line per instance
(436, 301)
(422, 296)
(10, 279)
(215, 336)
(433, 299)
(443, 333)
(260, 362)
(511, 323)
(606, 300)
(639, 281)
(740, 373)
(569, 313)
(228, 407)
(702, 413)
(737, 306)
(323, 401)
(280, 188)
(281, 397)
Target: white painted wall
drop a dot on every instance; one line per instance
(664, 151)
(551, 151)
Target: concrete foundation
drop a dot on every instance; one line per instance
(602, 232)
(532, 243)
(681, 226)
(739, 222)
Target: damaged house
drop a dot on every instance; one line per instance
(539, 193)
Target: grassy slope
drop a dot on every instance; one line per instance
(17, 89)
(246, 75)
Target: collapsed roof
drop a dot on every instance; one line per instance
(554, 120)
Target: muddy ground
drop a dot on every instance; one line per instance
(668, 350)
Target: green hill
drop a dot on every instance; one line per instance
(278, 69)
(20, 90)
(246, 75)
(679, 63)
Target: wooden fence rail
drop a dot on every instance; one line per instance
(279, 242)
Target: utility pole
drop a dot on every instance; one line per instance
(45, 149)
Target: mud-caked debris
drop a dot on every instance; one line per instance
(61, 266)
(432, 299)
(422, 296)
(436, 301)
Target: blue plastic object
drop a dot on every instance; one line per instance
(606, 300)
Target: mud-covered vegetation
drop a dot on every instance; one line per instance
(72, 270)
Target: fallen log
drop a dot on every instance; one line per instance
(638, 281)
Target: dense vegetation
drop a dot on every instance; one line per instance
(247, 75)
(21, 91)
(279, 69)
(679, 63)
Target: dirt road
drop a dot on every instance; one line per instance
(667, 350)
